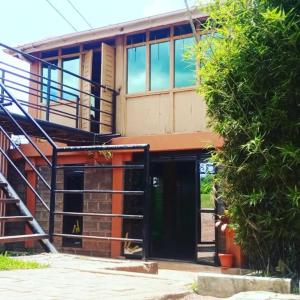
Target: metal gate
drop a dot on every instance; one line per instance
(144, 192)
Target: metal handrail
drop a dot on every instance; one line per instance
(47, 85)
(28, 116)
(6, 111)
(50, 80)
(25, 158)
(34, 58)
(56, 111)
(50, 96)
(103, 147)
(24, 179)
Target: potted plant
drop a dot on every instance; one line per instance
(233, 256)
(226, 259)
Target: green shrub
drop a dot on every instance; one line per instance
(206, 184)
(250, 77)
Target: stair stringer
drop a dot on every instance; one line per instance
(34, 225)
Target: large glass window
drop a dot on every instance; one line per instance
(52, 82)
(71, 65)
(136, 69)
(160, 66)
(184, 64)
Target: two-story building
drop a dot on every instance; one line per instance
(135, 84)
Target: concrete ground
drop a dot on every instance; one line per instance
(88, 278)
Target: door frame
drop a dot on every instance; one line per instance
(196, 157)
(164, 157)
(214, 210)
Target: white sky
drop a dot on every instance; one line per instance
(24, 21)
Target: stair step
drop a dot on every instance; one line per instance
(7, 103)
(3, 184)
(15, 219)
(21, 238)
(9, 200)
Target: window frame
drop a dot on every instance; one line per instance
(126, 69)
(59, 79)
(181, 37)
(148, 43)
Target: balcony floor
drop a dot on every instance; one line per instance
(59, 133)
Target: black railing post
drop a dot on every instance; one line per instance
(146, 225)
(52, 195)
(2, 90)
(77, 112)
(114, 112)
(48, 93)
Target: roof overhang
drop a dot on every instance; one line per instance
(112, 31)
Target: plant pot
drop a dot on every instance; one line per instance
(226, 260)
(235, 249)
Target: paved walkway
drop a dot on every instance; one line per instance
(84, 278)
(88, 278)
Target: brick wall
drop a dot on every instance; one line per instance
(92, 203)
(15, 228)
(41, 214)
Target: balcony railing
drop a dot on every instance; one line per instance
(54, 101)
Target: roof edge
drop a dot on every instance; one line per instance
(111, 30)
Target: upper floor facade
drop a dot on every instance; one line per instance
(145, 61)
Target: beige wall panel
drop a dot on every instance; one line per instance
(64, 120)
(189, 112)
(107, 79)
(34, 69)
(87, 59)
(120, 85)
(149, 115)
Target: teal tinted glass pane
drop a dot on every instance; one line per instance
(53, 81)
(160, 66)
(136, 69)
(72, 65)
(184, 68)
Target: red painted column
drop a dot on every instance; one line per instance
(30, 200)
(117, 201)
(117, 205)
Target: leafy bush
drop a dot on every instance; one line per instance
(206, 184)
(250, 77)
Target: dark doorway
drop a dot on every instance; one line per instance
(173, 210)
(133, 205)
(73, 180)
(95, 90)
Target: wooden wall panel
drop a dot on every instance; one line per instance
(149, 115)
(164, 113)
(87, 61)
(189, 112)
(108, 80)
(64, 106)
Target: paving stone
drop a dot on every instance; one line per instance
(72, 277)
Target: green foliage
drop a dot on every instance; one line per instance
(206, 201)
(206, 184)
(8, 263)
(251, 83)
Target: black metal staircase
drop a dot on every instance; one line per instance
(22, 123)
(11, 198)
